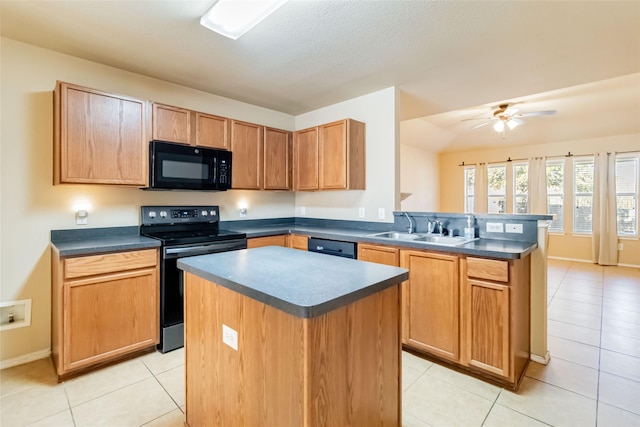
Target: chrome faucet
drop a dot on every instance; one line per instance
(410, 223)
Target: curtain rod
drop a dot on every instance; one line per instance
(569, 154)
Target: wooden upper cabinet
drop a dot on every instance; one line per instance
(342, 155)
(305, 159)
(175, 124)
(99, 138)
(171, 124)
(246, 146)
(277, 159)
(212, 131)
(330, 157)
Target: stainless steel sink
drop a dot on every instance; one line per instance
(444, 240)
(396, 235)
(433, 239)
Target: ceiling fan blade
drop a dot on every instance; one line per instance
(476, 118)
(480, 125)
(510, 111)
(517, 121)
(536, 113)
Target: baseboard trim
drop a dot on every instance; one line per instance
(21, 360)
(589, 261)
(541, 359)
(629, 265)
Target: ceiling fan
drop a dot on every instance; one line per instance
(505, 115)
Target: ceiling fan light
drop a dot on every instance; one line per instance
(498, 126)
(233, 18)
(512, 124)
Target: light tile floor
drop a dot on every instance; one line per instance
(593, 378)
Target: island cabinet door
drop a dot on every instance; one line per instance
(432, 307)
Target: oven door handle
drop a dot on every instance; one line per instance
(203, 249)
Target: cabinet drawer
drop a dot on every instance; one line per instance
(298, 242)
(258, 242)
(489, 269)
(108, 263)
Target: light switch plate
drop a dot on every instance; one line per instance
(230, 337)
(514, 228)
(381, 213)
(495, 227)
(360, 212)
(303, 210)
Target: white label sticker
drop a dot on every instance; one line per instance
(230, 337)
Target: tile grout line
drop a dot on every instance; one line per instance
(600, 348)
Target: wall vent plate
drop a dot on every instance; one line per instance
(15, 314)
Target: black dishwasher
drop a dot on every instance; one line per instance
(333, 247)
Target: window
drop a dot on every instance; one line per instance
(627, 195)
(497, 189)
(582, 194)
(520, 188)
(555, 193)
(469, 189)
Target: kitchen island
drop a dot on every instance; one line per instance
(280, 337)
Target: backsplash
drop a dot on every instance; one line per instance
(516, 227)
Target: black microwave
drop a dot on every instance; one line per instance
(183, 167)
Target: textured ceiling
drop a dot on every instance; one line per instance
(445, 56)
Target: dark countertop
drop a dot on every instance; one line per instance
(304, 284)
(78, 242)
(94, 241)
(490, 248)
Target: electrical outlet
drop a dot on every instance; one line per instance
(243, 212)
(82, 217)
(381, 213)
(513, 228)
(230, 337)
(360, 212)
(303, 210)
(620, 246)
(495, 227)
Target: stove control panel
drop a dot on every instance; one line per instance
(150, 215)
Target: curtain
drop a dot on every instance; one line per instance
(480, 193)
(605, 230)
(538, 185)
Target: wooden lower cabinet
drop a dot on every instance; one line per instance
(257, 242)
(432, 303)
(104, 307)
(337, 369)
(379, 254)
(496, 322)
(469, 312)
(297, 241)
(487, 339)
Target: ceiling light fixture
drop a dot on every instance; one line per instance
(233, 18)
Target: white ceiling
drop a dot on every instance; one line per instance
(450, 59)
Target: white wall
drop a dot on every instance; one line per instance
(31, 206)
(378, 111)
(420, 176)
